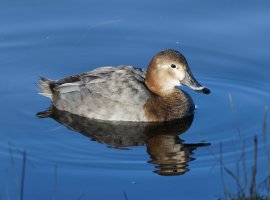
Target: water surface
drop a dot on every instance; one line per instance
(227, 47)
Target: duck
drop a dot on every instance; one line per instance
(126, 93)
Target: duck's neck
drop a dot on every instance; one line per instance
(158, 84)
(159, 90)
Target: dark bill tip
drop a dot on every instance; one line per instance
(204, 90)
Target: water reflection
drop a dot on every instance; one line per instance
(167, 151)
(171, 154)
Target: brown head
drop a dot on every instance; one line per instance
(169, 69)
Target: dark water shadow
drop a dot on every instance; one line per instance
(166, 149)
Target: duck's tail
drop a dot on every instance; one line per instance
(45, 87)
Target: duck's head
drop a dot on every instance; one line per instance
(169, 69)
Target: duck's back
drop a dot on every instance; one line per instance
(107, 93)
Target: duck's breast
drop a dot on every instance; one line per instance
(171, 107)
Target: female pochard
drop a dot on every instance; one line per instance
(125, 93)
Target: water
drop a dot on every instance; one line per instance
(227, 46)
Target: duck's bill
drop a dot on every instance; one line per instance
(192, 83)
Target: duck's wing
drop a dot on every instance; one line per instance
(106, 89)
(79, 77)
(123, 84)
(115, 83)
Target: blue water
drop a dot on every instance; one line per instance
(227, 46)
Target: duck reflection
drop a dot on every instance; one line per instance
(167, 151)
(171, 154)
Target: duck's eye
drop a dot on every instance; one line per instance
(173, 66)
